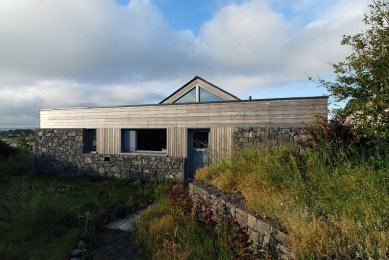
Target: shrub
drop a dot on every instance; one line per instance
(179, 199)
(327, 134)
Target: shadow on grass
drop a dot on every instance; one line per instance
(42, 217)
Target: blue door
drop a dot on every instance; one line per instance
(198, 150)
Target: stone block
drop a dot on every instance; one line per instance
(115, 169)
(281, 237)
(254, 237)
(241, 217)
(284, 252)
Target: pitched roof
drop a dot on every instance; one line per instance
(198, 81)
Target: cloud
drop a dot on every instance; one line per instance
(240, 36)
(87, 41)
(253, 39)
(85, 53)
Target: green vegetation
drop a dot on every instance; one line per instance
(41, 217)
(168, 230)
(333, 200)
(163, 235)
(362, 79)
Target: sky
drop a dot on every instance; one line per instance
(78, 53)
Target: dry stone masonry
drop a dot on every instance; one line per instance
(263, 232)
(60, 151)
(252, 136)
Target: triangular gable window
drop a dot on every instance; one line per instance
(206, 96)
(198, 94)
(188, 97)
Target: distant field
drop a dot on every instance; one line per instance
(17, 139)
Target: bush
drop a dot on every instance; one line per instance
(180, 200)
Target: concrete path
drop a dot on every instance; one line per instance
(115, 241)
(114, 245)
(127, 223)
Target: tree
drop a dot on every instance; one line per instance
(362, 79)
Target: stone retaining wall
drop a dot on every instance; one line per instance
(252, 136)
(60, 151)
(263, 232)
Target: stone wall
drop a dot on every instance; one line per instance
(60, 151)
(263, 232)
(252, 136)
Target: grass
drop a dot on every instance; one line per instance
(16, 138)
(164, 234)
(40, 215)
(331, 206)
(21, 163)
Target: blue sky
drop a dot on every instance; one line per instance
(118, 52)
(190, 14)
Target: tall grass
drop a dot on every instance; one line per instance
(331, 205)
(41, 216)
(15, 161)
(21, 163)
(164, 234)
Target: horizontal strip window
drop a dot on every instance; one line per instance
(143, 140)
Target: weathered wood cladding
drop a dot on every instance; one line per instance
(177, 142)
(261, 113)
(108, 140)
(221, 143)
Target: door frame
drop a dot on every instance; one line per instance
(190, 171)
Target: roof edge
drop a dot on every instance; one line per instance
(196, 103)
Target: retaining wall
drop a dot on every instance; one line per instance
(263, 232)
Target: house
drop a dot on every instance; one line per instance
(198, 123)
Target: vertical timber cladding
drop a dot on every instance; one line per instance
(108, 140)
(221, 143)
(177, 142)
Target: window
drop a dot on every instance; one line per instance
(90, 140)
(200, 139)
(128, 140)
(198, 94)
(206, 96)
(143, 140)
(188, 97)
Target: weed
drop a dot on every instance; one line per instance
(168, 230)
(333, 204)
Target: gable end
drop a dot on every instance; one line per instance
(198, 81)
